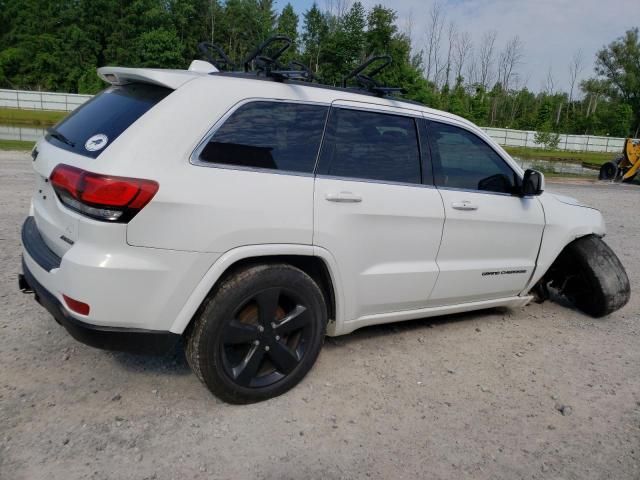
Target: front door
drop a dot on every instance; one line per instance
(491, 236)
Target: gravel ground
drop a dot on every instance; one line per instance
(538, 392)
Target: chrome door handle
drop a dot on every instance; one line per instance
(343, 197)
(464, 205)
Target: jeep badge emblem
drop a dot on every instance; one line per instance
(97, 142)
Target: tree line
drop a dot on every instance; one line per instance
(57, 46)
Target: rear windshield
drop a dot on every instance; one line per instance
(91, 128)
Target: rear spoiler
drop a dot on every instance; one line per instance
(156, 76)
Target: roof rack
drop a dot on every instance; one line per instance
(263, 61)
(368, 82)
(258, 61)
(222, 63)
(269, 65)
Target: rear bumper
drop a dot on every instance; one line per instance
(128, 288)
(108, 338)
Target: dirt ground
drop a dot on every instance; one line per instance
(538, 392)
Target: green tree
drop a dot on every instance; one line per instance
(381, 29)
(159, 48)
(316, 30)
(57, 46)
(288, 25)
(354, 24)
(266, 18)
(620, 64)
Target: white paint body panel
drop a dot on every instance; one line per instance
(385, 245)
(384, 255)
(218, 209)
(501, 235)
(563, 224)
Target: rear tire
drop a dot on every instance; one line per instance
(258, 333)
(595, 281)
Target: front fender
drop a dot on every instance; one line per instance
(565, 220)
(226, 260)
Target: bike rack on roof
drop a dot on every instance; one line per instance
(269, 65)
(368, 82)
(222, 63)
(263, 63)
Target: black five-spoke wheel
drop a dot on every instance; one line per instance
(266, 339)
(258, 334)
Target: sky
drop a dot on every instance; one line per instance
(551, 30)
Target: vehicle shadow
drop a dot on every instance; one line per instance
(173, 362)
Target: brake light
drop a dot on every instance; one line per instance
(103, 197)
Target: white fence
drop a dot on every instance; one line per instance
(41, 100)
(69, 101)
(26, 134)
(576, 143)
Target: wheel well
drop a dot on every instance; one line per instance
(558, 271)
(312, 266)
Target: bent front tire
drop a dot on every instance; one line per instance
(596, 281)
(258, 334)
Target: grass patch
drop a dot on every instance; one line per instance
(30, 118)
(16, 145)
(568, 175)
(594, 158)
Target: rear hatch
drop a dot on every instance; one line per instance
(79, 141)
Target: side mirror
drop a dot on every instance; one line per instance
(532, 183)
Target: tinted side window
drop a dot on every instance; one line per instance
(272, 135)
(463, 160)
(374, 146)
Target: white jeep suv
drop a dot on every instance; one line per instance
(251, 215)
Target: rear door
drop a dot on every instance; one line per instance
(491, 235)
(373, 211)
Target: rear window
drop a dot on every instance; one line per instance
(92, 127)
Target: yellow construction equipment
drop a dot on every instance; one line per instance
(625, 167)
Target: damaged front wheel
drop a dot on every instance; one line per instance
(590, 275)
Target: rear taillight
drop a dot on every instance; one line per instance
(103, 197)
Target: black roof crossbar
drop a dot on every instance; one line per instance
(294, 71)
(222, 62)
(368, 82)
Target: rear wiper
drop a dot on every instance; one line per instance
(59, 136)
